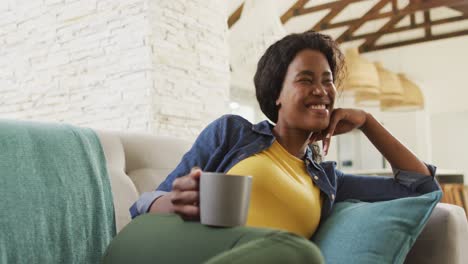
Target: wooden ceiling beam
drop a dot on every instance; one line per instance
(415, 41)
(427, 20)
(411, 27)
(330, 5)
(414, 5)
(370, 41)
(356, 25)
(293, 10)
(235, 16)
(461, 8)
(405, 11)
(413, 19)
(321, 25)
(394, 6)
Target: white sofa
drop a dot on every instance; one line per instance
(138, 163)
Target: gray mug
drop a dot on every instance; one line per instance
(224, 199)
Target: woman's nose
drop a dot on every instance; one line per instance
(319, 90)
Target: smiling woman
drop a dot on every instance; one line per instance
(291, 192)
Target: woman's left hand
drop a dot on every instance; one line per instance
(342, 121)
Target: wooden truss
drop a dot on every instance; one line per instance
(395, 16)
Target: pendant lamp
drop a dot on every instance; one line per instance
(364, 99)
(362, 75)
(412, 97)
(391, 90)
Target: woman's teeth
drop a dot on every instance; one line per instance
(317, 106)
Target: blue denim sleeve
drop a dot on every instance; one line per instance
(380, 188)
(199, 154)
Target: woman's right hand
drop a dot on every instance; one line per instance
(185, 196)
(183, 199)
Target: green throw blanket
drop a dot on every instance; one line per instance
(55, 196)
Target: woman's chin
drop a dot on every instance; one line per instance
(317, 126)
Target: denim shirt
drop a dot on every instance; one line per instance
(230, 139)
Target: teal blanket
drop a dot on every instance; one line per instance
(55, 196)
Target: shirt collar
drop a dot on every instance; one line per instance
(264, 128)
(310, 157)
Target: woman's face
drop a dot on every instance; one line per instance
(308, 94)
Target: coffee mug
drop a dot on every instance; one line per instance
(224, 199)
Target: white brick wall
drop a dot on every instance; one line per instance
(158, 66)
(191, 64)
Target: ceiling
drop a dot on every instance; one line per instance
(370, 24)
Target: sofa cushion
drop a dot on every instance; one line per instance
(379, 232)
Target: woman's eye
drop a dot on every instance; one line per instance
(305, 81)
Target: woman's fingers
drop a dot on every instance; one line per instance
(326, 144)
(188, 212)
(334, 120)
(185, 183)
(189, 182)
(185, 197)
(195, 173)
(313, 137)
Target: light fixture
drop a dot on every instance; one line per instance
(391, 91)
(412, 97)
(362, 75)
(364, 99)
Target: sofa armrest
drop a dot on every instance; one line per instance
(444, 239)
(137, 163)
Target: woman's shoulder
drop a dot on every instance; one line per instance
(230, 120)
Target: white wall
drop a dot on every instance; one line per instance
(450, 141)
(191, 65)
(145, 65)
(83, 62)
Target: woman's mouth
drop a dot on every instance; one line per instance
(318, 109)
(319, 106)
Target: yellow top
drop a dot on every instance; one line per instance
(283, 194)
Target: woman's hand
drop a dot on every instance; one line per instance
(342, 121)
(183, 199)
(185, 195)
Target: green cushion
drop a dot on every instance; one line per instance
(379, 232)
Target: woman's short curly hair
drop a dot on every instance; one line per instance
(273, 65)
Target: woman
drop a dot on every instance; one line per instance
(295, 87)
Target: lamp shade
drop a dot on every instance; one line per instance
(367, 99)
(412, 97)
(391, 91)
(362, 74)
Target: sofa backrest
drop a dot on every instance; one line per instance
(138, 163)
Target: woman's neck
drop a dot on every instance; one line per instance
(295, 141)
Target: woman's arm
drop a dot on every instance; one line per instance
(410, 173)
(393, 150)
(345, 120)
